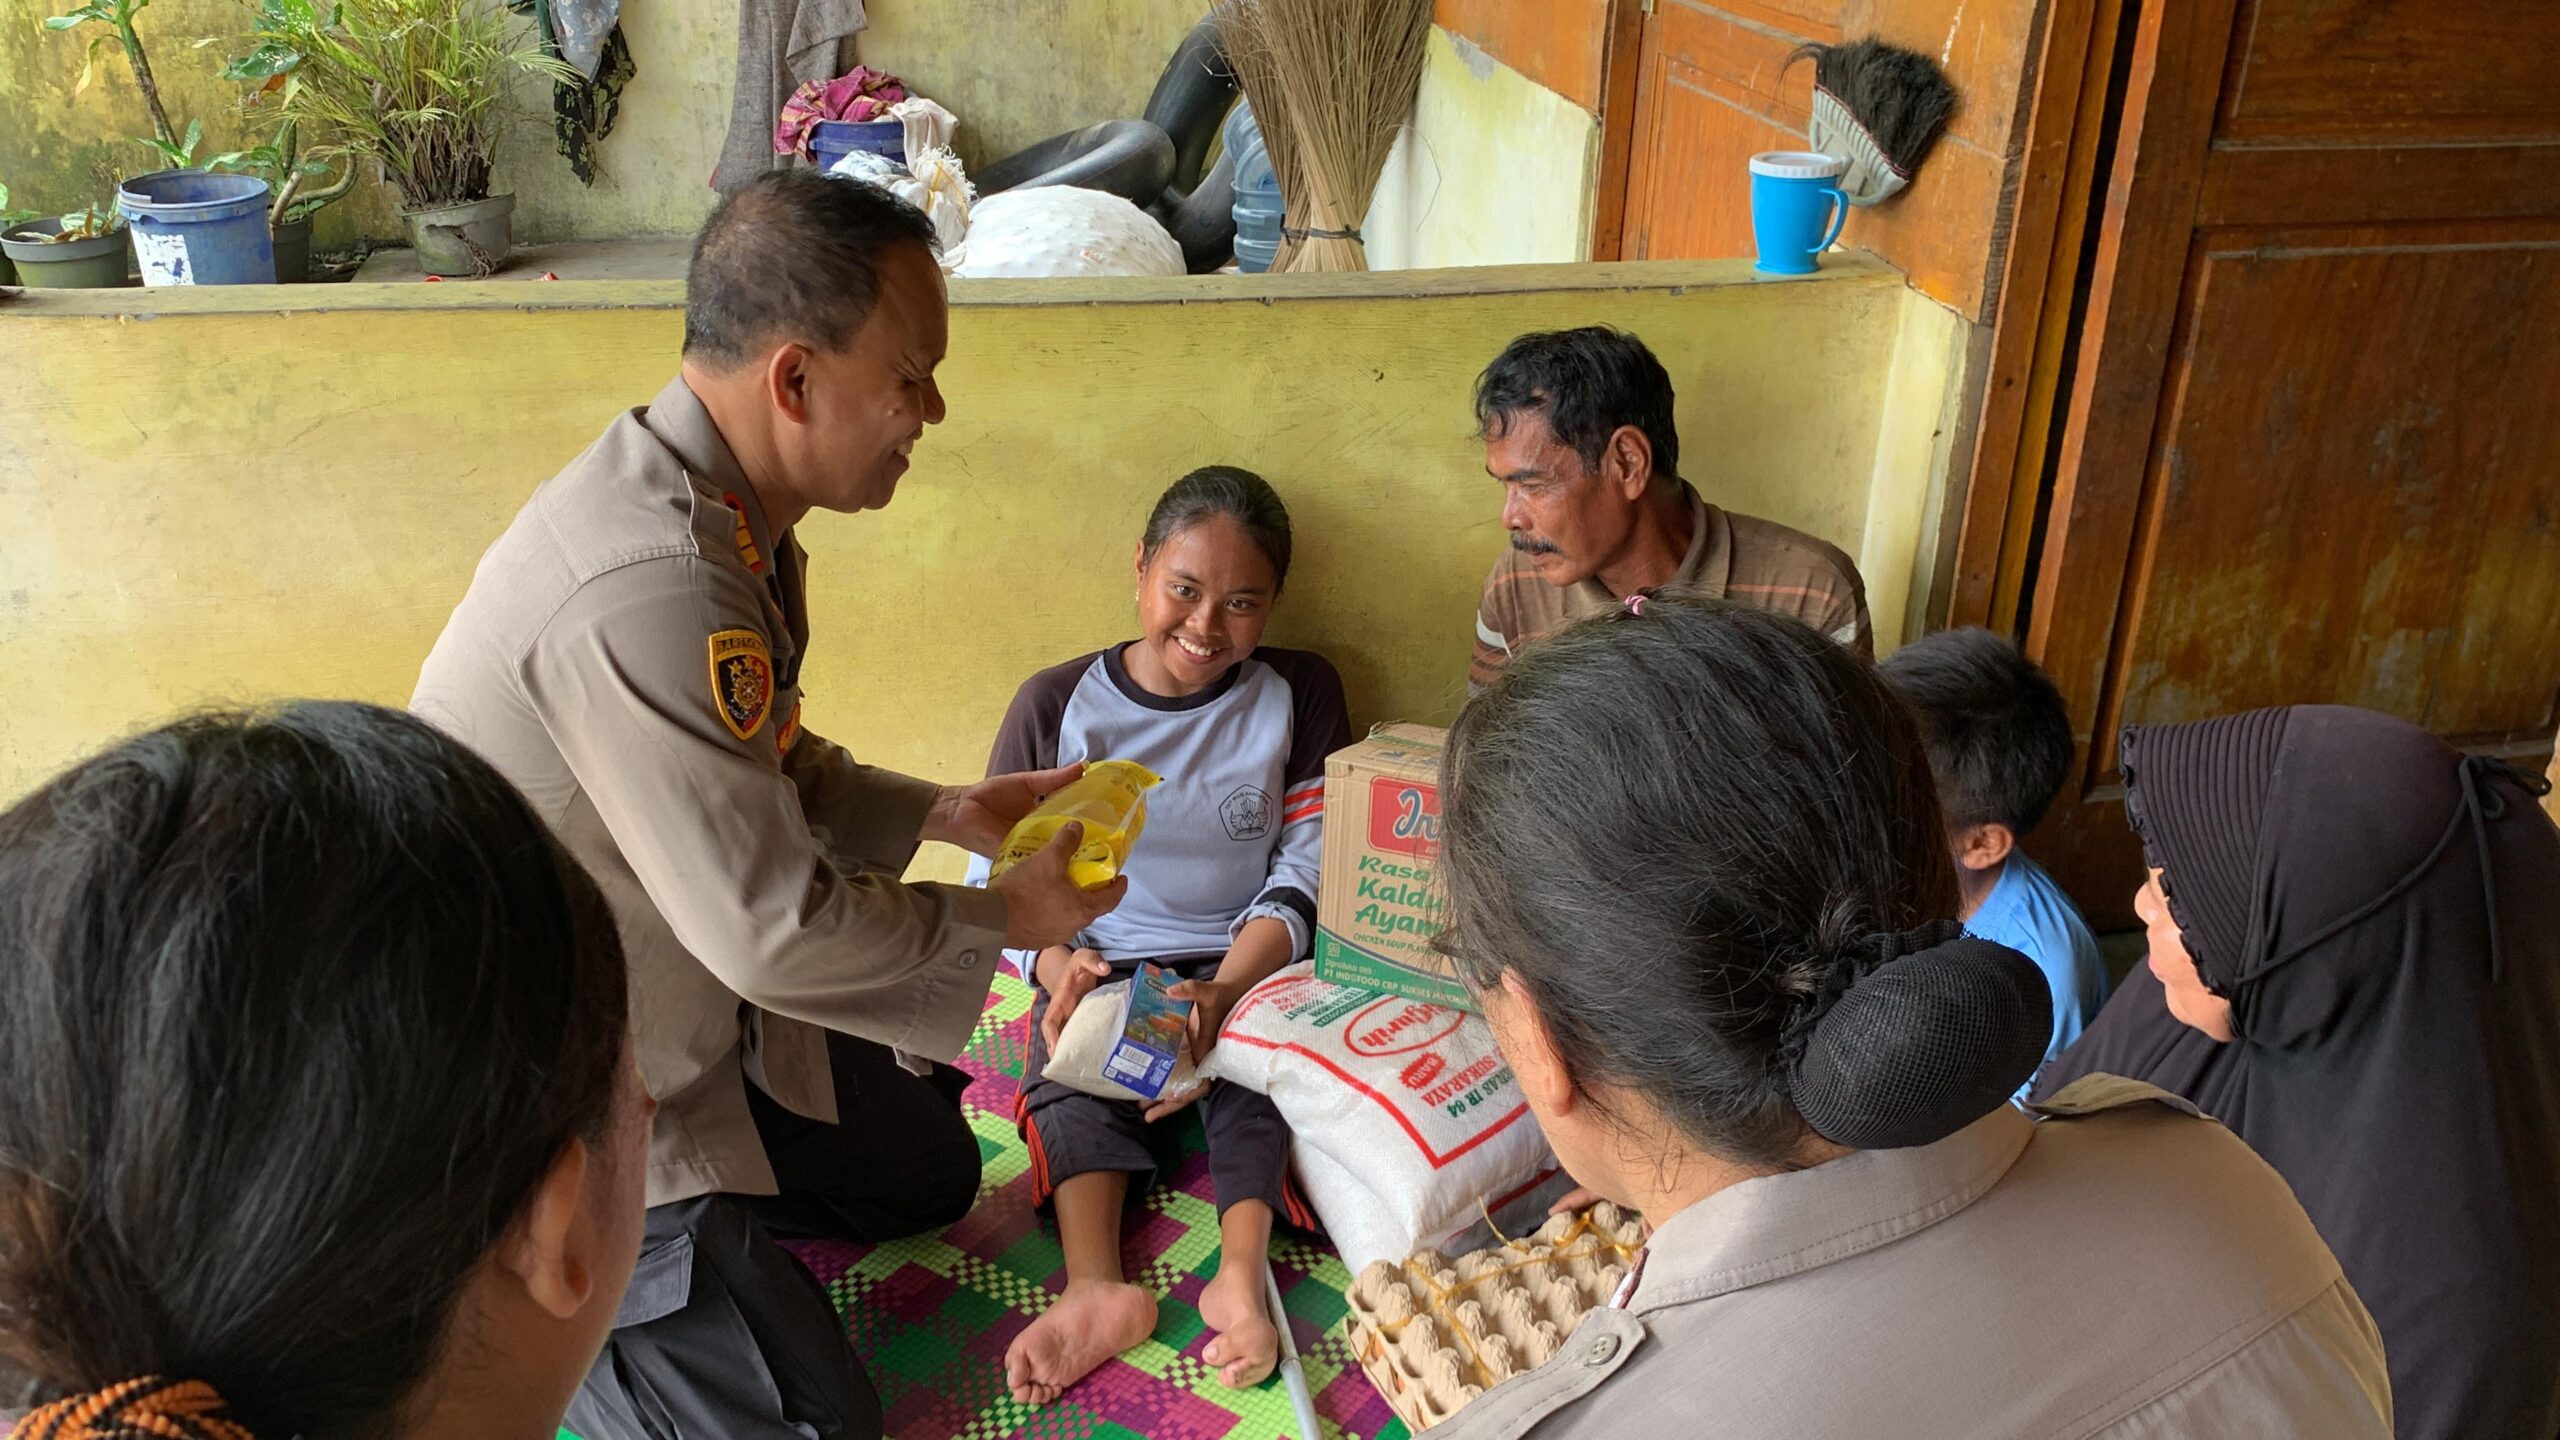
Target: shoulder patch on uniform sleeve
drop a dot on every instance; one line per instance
(741, 680)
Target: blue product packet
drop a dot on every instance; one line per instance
(1153, 1029)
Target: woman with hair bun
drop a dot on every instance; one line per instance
(320, 1120)
(1698, 880)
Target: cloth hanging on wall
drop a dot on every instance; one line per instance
(782, 45)
(587, 36)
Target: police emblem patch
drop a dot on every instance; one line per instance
(741, 680)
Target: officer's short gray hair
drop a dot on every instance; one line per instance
(792, 255)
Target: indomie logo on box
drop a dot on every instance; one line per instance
(1404, 817)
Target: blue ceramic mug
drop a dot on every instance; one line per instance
(1797, 208)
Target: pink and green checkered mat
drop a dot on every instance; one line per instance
(931, 1316)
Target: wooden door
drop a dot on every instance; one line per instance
(1708, 98)
(2312, 445)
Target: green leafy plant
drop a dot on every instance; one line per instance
(290, 170)
(117, 19)
(11, 218)
(181, 154)
(418, 86)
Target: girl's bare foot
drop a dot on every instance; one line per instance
(1247, 1345)
(1089, 1323)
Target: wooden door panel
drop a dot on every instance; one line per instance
(2373, 543)
(1682, 218)
(1709, 99)
(2312, 453)
(2447, 68)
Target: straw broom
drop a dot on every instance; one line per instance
(1331, 82)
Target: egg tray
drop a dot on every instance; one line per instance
(1433, 1332)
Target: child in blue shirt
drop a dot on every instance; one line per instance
(2000, 744)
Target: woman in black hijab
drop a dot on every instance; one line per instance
(2355, 964)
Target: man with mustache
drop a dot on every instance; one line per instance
(629, 656)
(1577, 426)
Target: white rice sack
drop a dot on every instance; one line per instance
(1064, 230)
(1084, 1046)
(1405, 1123)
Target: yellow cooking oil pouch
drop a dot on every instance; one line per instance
(1110, 798)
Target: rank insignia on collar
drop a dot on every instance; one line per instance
(747, 550)
(788, 731)
(741, 680)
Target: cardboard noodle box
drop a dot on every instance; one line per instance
(1381, 896)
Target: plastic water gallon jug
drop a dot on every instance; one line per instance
(1258, 207)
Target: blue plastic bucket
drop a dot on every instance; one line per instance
(194, 227)
(835, 139)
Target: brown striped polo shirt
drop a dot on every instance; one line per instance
(1736, 557)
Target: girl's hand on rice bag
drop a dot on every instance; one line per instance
(1174, 1102)
(1068, 976)
(1211, 1002)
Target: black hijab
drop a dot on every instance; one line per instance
(2383, 915)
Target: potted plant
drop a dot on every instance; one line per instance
(84, 250)
(295, 179)
(298, 177)
(420, 87)
(189, 226)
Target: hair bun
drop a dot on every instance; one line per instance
(1916, 1039)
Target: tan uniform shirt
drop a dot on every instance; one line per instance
(629, 655)
(2122, 1269)
(1736, 557)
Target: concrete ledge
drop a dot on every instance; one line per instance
(1675, 277)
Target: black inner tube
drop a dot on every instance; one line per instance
(1155, 162)
(1191, 97)
(1128, 158)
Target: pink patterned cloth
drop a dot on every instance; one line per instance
(859, 94)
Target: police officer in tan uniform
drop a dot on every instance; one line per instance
(629, 654)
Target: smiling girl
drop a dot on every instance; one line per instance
(1222, 890)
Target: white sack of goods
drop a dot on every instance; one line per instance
(1056, 230)
(1406, 1126)
(1082, 1058)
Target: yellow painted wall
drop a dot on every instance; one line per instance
(1013, 70)
(1495, 169)
(212, 499)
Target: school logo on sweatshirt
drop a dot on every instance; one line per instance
(1247, 813)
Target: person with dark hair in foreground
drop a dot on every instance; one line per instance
(2000, 745)
(2355, 964)
(1577, 426)
(629, 654)
(322, 1120)
(1791, 1060)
